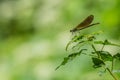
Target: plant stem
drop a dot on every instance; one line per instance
(111, 74)
(95, 51)
(102, 47)
(112, 64)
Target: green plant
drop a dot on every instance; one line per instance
(99, 57)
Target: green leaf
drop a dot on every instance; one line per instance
(74, 39)
(77, 38)
(106, 42)
(98, 42)
(97, 62)
(78, 44)
(68, 45)
(117, 56)
(70, 58)
(63, 62)
(106, 56)
(97, 33)
(91, 38)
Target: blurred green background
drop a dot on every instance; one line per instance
(34, 33)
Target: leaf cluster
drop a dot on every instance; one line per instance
(99, 57)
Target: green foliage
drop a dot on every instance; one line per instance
(106, 42)
(105, 56)
(117, 56)
(70, 57)
(82, 38)
(99, 57)
(97, 62)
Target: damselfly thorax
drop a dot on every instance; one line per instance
(84, 24)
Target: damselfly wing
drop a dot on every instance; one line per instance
(86, 23)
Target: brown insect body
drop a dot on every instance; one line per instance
(86, 23)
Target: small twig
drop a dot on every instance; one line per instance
(95, 51)
(102, 47)
(111, 74)
(112, 64)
